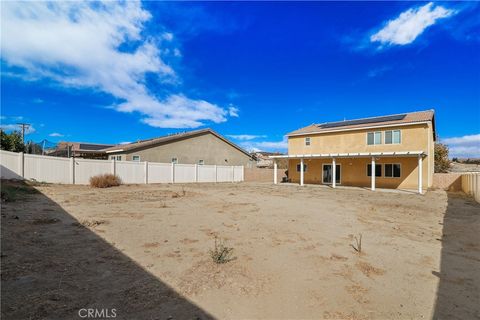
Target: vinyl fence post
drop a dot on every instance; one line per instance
(216, 177)
(72, 170)
(233, 174)
(114, 167)
(173, 172)
(146, 172)
(21, 164)
(196, 173)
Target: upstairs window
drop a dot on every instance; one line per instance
(392, 137)
(374, 138)
(307, 141)
(378, 170)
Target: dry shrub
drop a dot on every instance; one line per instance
(105, 181)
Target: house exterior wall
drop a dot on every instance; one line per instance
(206, 147)
(414, 137)
(354, 172)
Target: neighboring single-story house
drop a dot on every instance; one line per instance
(84, 150)
(194, 147)
(264, 160)
(399, 149)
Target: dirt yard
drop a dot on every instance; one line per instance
(144, 251)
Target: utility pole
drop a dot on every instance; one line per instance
(24, 126)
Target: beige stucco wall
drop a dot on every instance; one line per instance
(354, 172)
(205, 147)
(417, 137)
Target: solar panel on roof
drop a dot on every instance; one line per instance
(93, 147)
(362, 121)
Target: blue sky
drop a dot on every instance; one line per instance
(118, 72)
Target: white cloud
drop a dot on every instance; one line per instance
(12, 118)
(410, 24)
(245, 137)
(464, 147)
(16, 127)
(81, 45)
(233, 111)
(167, 36)
(178, 111)
(55, 134)
(266, 145)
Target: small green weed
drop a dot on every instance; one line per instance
(221, 253)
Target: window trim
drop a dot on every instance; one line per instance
(374, 132)
(382, 175)
(393, 175)
(392, 131)
(136, 155)
(308, 141)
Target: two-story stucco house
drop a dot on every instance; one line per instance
(394, 151)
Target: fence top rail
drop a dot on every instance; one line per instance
(27, 155)
(186, 165)
(131, 163)
(160, 164)
(9, 152)
(91, 160)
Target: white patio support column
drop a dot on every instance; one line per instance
(301, 171)
(420, 174)
(334, 173)
(373, 173)
(275, 169)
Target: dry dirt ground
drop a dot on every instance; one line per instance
(144, 251)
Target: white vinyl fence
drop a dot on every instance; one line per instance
(79, 171)
(471, 185)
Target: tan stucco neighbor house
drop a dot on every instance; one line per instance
(399, 148)
(193, 147)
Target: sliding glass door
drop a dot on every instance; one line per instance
(327, 174)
